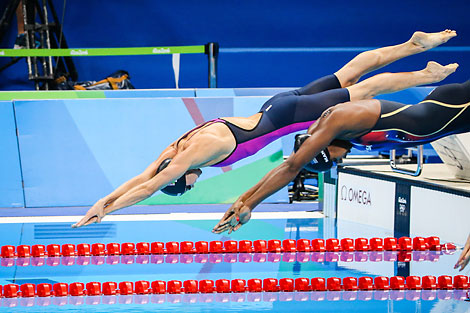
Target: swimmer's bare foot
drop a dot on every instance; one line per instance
(426, 41)
(439, 72)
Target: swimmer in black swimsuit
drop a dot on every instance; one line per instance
(223, 141)
(376, 124)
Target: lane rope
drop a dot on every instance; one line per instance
(207, 286)
(290, 257)
(230, 246)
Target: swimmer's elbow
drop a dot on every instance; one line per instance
(292, 167)
(146, 191)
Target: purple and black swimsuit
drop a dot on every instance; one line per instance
(283, 114)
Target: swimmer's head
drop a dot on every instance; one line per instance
(322, 162)
(182, 184)
(327, 158)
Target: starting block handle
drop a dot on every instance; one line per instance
(419, 164)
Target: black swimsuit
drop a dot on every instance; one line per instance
(445, 111)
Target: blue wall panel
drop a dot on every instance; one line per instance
(76, 151)
(57, 163)
(11, 191)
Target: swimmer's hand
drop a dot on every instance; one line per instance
(94, 215)
(464, 256)
(237, 215)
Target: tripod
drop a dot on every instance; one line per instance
(37, 27)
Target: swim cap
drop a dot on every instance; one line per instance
(321, 162)
(178, 187)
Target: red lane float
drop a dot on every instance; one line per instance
(347, 244)
(202, 247)
(366, 283)
(110, 288)
(286, 284)
(158, 287)
(332, 245)
(318, 284)
(83, 249)
(318, 245)
(260, 246)
(222, 286)
(44, 290)
(216, 246)
(127, 288)
(381, 283)
(60, 289)
(27, 290)
(157, 248)
(274, 246)
(361, 244)
(77, 289)
(238, 285)
(230, 246)
(127, 248)
(206, 286)
(390, 244)
(53, 250)
(245, 246)
(68, 250)
(98, 249)
(429, 282)
(301, 284)
(333, 284)
(255, 285)
(113, 248)
(38, 251)
(172, 247)
(93, 289)
(23, 251)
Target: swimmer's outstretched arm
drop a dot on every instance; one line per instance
(178, 167)
(146, 175)
(100, 205)
(240, 212)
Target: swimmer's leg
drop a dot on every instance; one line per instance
(372, 60)
(392, 82)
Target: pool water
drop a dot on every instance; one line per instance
(220, 266)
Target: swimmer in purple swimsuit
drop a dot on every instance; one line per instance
(224, 141)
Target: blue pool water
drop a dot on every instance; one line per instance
(220, 266)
